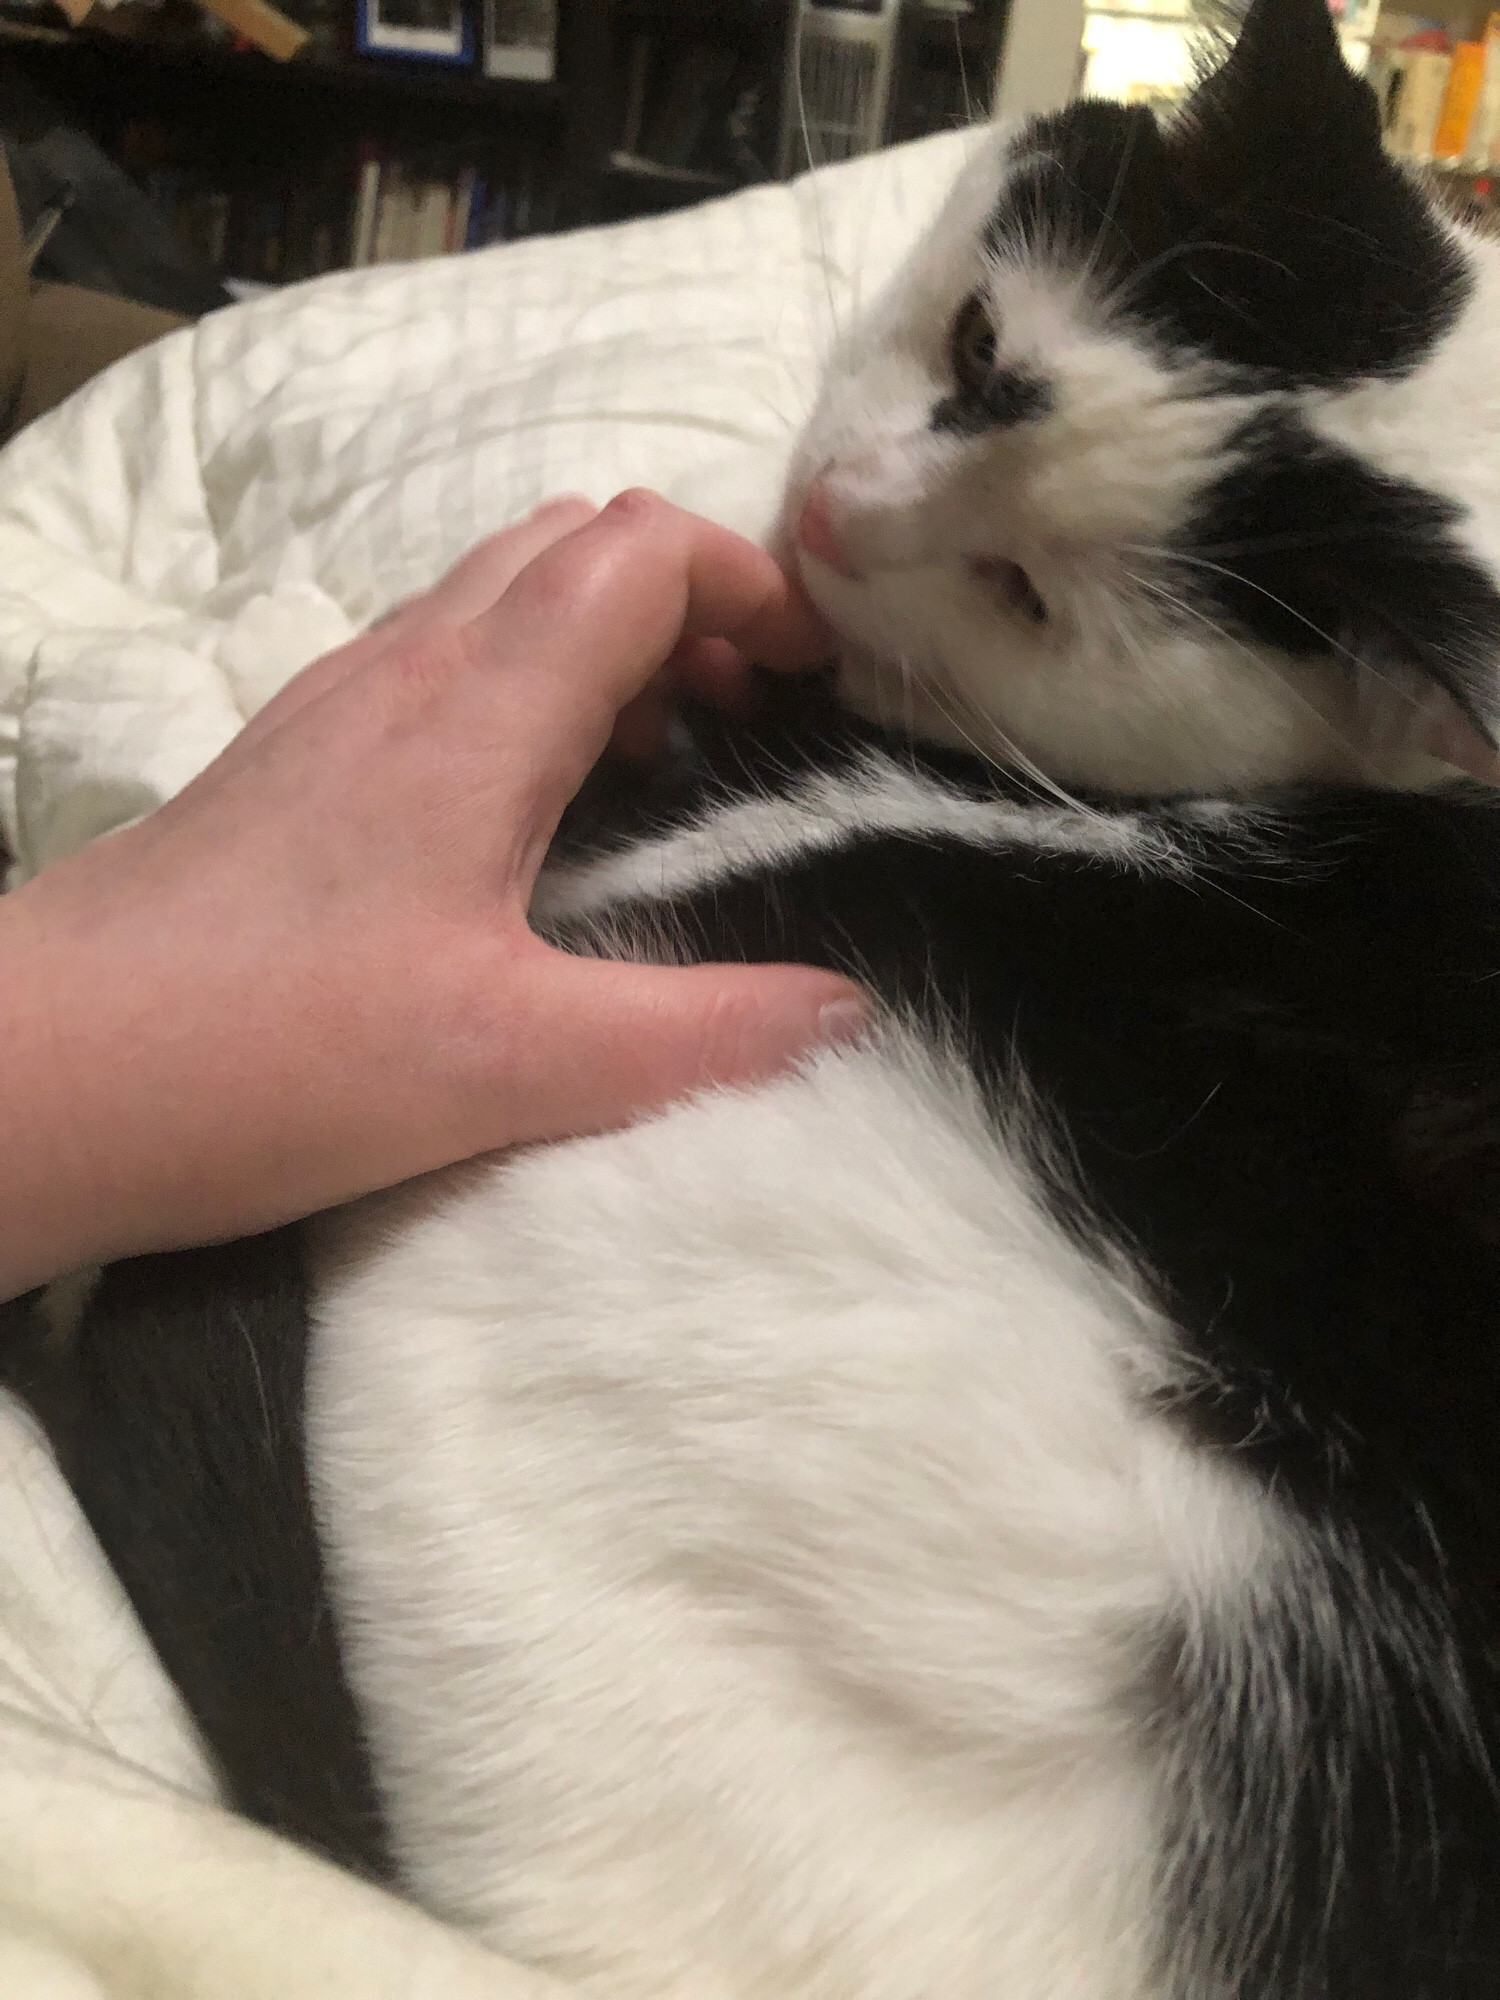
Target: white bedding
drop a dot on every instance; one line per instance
(174, 542)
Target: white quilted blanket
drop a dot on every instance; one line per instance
(174, 543)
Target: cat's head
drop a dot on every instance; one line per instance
(1173, 459)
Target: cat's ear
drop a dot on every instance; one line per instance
(1312, 253)
(1455, 738)
(1284, 108)
(1404, 711)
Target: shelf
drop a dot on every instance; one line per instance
(742, 19)
(952, 34)
(634, 167)
(358, 76)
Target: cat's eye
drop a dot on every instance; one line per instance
(974, 347)
(990, 394)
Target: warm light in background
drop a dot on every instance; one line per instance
(1149, 51)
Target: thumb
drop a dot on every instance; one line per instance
(618, 1040)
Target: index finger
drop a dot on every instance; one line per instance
(607, 605)
(476, 582)
(588, 625)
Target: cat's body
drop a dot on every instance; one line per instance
(1010, 1510)
(890, 1531)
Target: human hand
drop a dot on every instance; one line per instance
(311, 975)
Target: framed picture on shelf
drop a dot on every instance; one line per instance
(520, 40)
(429, 30)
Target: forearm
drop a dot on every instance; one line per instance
(173, 1075)
(52, 1216)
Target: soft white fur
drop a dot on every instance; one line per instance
(751, 1532)
(1113, 691)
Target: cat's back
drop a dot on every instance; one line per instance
(1002, 1506)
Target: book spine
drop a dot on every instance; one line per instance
(520, 39)
(366, 212)
(1424, 85)
(265, 27)
(460, 210)
(388, 216)
(1450, 141)
(479, 203)
(1484, 132)
(494, 224)
(638, 70)
(408, 215)
(432, 212)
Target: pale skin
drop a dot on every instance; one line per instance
(310, 975)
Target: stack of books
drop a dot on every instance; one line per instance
(364, 208)
(400, 215)
(1440, 95)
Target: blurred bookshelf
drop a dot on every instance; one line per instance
(1435, 69)
(271, 171)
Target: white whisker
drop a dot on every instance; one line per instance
(963, 71)
(807, 152)
(1196, 616)
(949, 700)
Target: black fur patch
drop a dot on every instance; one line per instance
(176, 1415)
(1306, 548)
(1265, 227)
(1010, 397)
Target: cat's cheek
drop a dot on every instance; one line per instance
(843, 600)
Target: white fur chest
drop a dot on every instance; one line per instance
(747, 1530)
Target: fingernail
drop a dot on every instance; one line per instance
(842, 1021)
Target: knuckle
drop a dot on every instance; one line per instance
(732, 1026)
(638, 507)
(570, 507)
(403, 608)
(424, 664)
(563, 580)
(576, 574)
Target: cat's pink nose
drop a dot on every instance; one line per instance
(817, 534)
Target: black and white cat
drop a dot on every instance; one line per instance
(1012, 1509)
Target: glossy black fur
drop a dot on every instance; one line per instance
(1305, 548)
(1278, 1077)
(1265, 227)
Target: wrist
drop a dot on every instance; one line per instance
(164, 1083)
